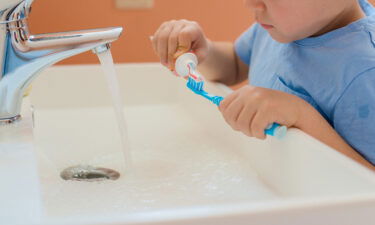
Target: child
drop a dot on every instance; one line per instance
(310, 65)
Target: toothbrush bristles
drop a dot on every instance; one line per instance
(197, 87)
(194, 85)
(217, 100)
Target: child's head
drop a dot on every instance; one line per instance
(290, 20)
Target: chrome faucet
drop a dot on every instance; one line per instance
(23, 56)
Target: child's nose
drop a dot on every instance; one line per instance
(257, 5)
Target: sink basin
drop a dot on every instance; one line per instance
(189, 166)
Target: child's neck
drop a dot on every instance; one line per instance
(347, 16)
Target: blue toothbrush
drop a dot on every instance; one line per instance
(274, 129)
(197, 88)
(186, 66)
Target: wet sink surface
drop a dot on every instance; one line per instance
(173, 166)
(184, 155)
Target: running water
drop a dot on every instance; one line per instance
(108, 67)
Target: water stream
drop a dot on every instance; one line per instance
(106, 61)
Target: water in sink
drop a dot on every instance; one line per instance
(185, 156)
(172, 166)
(182, 157)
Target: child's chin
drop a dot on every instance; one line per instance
(281, 38)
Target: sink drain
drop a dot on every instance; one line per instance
(89, 173)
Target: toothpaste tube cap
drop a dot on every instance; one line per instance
(184, 62)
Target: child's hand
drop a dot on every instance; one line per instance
(174, 38)
(251, 109)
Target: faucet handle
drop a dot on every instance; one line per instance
(20, 11)
(28, 4)
(9, 4)
(14, 10)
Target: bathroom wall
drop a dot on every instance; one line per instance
(222, 20)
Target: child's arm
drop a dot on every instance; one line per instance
(223, 65)
(312, 123)
(251, 109)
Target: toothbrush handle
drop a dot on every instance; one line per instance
(274, 129)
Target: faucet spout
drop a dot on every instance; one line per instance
(64, 40)
(23, 56)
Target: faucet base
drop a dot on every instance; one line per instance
(10, 120)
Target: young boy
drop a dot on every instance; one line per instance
(310, 63)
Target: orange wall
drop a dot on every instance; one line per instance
(221, 19)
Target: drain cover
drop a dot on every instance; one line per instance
(89, 173)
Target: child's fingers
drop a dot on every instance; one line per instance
(173, 38)
(227, 100)
(258, 124)
(173, 44)
(163, 45)
(232, 113)
(160, 41)
(185, 41)
(156, 36)
(244, 120)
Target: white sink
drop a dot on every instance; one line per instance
(189, 167)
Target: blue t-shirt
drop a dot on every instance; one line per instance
(334, 72)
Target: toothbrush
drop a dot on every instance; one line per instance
(186, 67)
(197, 88)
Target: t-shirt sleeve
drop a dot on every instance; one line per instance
(244, 44)
(354, 114)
